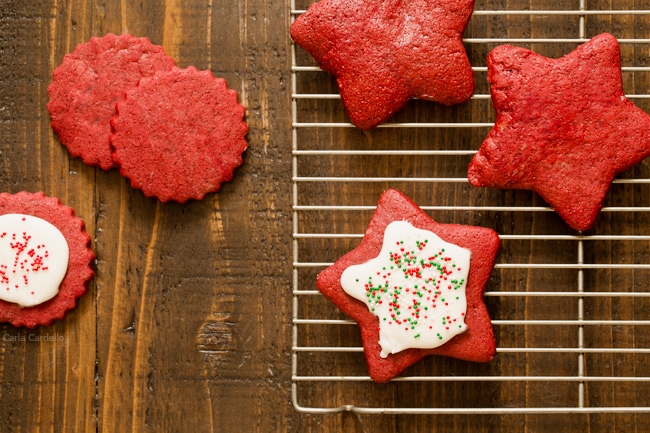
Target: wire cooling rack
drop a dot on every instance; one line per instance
(571, 310)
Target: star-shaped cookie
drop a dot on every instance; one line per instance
(386, 52)
(475, 343)
(563, 129)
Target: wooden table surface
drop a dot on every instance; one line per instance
(187, 326)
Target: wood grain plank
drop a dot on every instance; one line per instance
(48, 370)
(187, 324)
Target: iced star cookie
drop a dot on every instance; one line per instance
(88, 84)
(563, 129)
(179, 134)
(415, 288)
(384, 53)
(45, 259)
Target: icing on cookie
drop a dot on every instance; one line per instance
(415, 286)
(33, 259)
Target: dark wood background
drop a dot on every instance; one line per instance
(187, 324)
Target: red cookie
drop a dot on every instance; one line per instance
(88, 84)
(564, 127)
(384, 53)
(179, 134)
(475, 343)
(77, 275)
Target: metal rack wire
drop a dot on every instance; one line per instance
(595, 272)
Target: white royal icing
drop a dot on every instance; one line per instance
(416, 287)
(33, 259)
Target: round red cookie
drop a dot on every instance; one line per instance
(179, 134)
(79, 271)
(88, 84)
